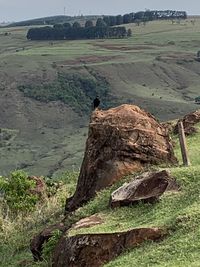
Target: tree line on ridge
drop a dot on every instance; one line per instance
(103, 28)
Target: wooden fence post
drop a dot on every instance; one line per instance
(182, 139)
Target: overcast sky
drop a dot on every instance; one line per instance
(16, 10)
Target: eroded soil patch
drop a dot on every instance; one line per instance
(124, 47)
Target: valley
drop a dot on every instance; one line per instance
(155, 69)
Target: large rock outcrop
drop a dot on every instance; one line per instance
(38, 241)
(121, 140)
(97, 249)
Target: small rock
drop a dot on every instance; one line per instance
(88, 222)
(189, 122)
(147, 187)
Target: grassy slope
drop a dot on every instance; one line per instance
(177, 211)
(48, 133)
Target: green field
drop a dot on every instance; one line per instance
(155, 69)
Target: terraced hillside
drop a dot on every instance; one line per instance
(155, 69)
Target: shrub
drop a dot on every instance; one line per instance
(52, 186)
(75, 90)
(16, 192)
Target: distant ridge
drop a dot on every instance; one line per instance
(52, 20)
(147, 15)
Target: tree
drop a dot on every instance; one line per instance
(148, 15)
(106, 19)
(113, 20)
(43, 33)
(127, 18)
(67, 25)
(119, 20)
(100, 23)
(88, 24)
(139, 16)
(58, 26)
(76, 25)
(68, 32)
(184, 15)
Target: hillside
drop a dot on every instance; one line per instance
(176, 211)
(155, 69)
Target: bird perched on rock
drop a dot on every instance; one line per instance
(96, 102)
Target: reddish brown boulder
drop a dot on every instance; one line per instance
(97, 249)
(120, 141)
(147, 187)
(189, 122)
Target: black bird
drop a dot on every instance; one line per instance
(96, 102)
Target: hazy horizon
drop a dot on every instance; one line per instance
(13, 10)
